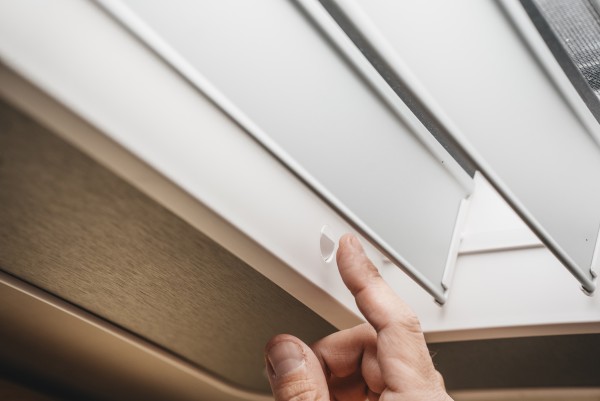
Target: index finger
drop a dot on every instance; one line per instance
(402, 353)
(374, 297)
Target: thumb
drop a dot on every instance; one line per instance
(294, 371)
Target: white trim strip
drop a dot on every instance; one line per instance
(456, 243)
(499, 240)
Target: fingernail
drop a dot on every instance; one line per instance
(285, 357)
(355, 244)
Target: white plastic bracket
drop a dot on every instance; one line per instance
(595, 266)
(461, 218)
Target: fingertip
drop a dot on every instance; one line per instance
(344, 244)
(294, 370)
(350, 243)
(348, 251)
(280, 338)
(355, 268)
(374, 297)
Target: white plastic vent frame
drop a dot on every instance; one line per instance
(310, 98)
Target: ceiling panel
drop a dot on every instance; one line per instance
(73, 228)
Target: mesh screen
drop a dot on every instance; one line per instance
(576, 24)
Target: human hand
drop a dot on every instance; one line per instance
(386, 359)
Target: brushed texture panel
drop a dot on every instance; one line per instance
(10, 390)
(568, 361)
(75, 229)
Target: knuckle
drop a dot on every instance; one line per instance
(412, 323)
(407, 322)
(370, 281)
(440, 380)
(368, 331)
(371, 269)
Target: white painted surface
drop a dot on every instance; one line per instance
(513, 120)
(493, 226)
(494, 292)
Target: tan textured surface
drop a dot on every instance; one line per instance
(551, 394)
(12, 391)
(73, 228)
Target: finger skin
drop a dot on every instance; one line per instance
(350, 388)
(304, 382)
(406, 366)
(385, 360)
(348, 352)
(374, 297)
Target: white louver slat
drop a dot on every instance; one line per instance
(464, 63)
